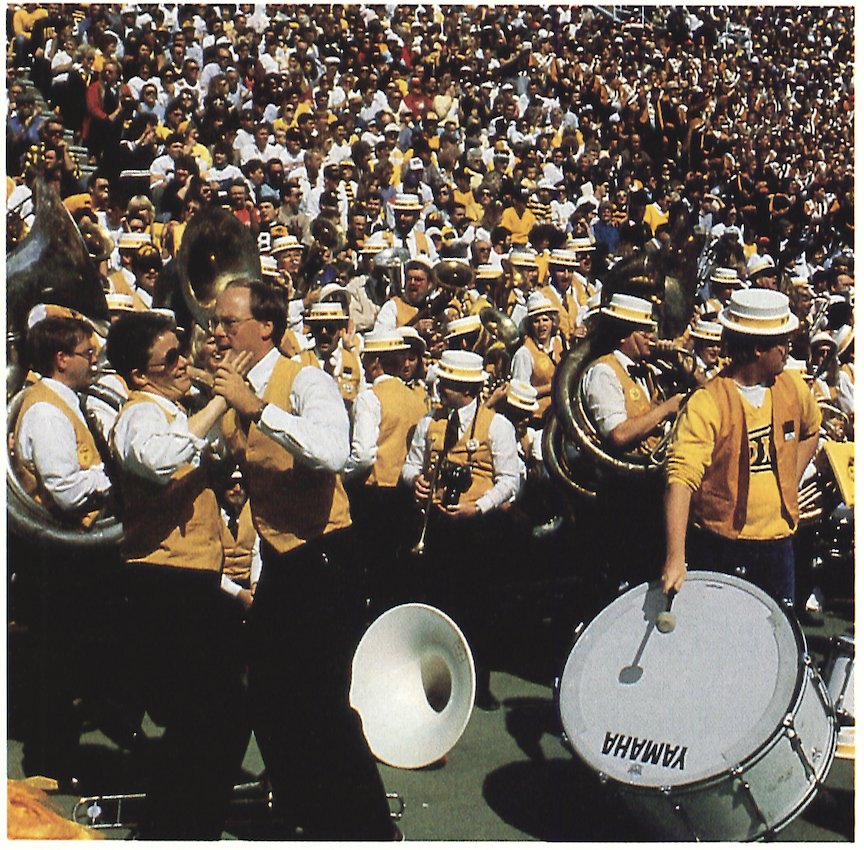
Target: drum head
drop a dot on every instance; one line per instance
(663, 709)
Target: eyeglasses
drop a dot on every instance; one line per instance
(229, 323)
(328, 328)
(172, 358)
(87, 354)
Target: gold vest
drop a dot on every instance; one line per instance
(720, 503)
(177, 524)
(544, 369)
(87, 453)
(348, 380)
(635, 401)
(121, 286)
(476, 455)
(290, 503)
(401, 410)
(238, 552)
(404, 312)
(568, 310)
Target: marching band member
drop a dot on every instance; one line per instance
(291, 430)
(173, 549)
(738, 452)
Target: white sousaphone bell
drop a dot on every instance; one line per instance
(413, 684)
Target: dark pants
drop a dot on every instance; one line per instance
(191, 670)
(304, 626)
(769, 564)
(72, 604)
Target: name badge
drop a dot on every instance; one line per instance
(472, 445)
(635, 393)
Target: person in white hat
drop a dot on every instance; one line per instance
(407, 231)
(739, 448)
(830, 382)
(464, 464)
(706, 347)
(723, 282)
(620, 392)
(124, 279)
(403, 308)
(535, 361)
(385, 416)
(328, 324)
(565, 294)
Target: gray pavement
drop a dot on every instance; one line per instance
(510, 777)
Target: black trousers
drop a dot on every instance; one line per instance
(305, 624)
(191, 671)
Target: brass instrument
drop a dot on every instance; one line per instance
(502, 328)
(390, 264)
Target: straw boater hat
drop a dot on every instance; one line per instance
(563, 257)
(464, 367)
(725, 277)
(466, 325)
(329, 290)
(525, 259)
(285, 243)
(413, 339)
(489, 271)
(844, 337)
(375, 243)
(522, 396)
(758, 312)
(119, 301)
(381, 342)
(407, 202)
(823, 338)
(269, 266)
(629, 308)
(133, 241)
(706, 331)
(327, 311)
(581, 245)
(539, 304)
(761, 264)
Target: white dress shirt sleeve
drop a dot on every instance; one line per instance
(415, 459)
(386, 319)
(508, 469)
(523, 365)
(46, 439)
(604, 397)
(150, 446)
(364, 441)
(317, 435)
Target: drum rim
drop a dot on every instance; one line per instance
(797, 691)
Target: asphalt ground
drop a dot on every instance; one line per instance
(510, 777)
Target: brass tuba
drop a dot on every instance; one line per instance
(572, 449)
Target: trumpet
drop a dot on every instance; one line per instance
(455, 483)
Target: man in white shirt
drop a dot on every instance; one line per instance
(292, 426)
(464, 466)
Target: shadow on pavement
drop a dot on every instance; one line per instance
(558, 800)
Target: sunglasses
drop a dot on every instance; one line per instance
(172, 357)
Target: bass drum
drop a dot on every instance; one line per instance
(720, 729)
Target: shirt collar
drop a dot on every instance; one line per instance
(259, 374)
(66, 393)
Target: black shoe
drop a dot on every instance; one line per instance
(486, 701)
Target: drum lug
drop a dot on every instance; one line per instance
(821, 687)
(603, 778)
(741, 784)
(798, 747)
(681, 813)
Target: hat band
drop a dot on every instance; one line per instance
(745, 322)
(619, 312)
(457, 374)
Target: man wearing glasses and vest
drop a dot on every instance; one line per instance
(289, 428)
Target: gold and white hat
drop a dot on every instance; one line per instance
(464, 367)
(285, 243)
(581, 244)
(132, 241)
(706, 331)
(524, 259)
(538, 304)
(522, 396)
(488, 271)
(465, 325)
(119, 301)
(629, 308)
(725, 277)
(407, 201)
(758, 312)
(269, 266)
(761, 264)
(327, 311)
(412, 338)
(379, 342)
(844, 337)
(563, 257)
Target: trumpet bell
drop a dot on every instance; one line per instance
(451, 274)
(502, 327)
(413, 683)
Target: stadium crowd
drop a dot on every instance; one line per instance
(436, 196)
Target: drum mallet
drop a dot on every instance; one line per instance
(666, 619)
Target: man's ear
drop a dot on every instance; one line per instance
(139, 378)
(61, 360)
(266, 330)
